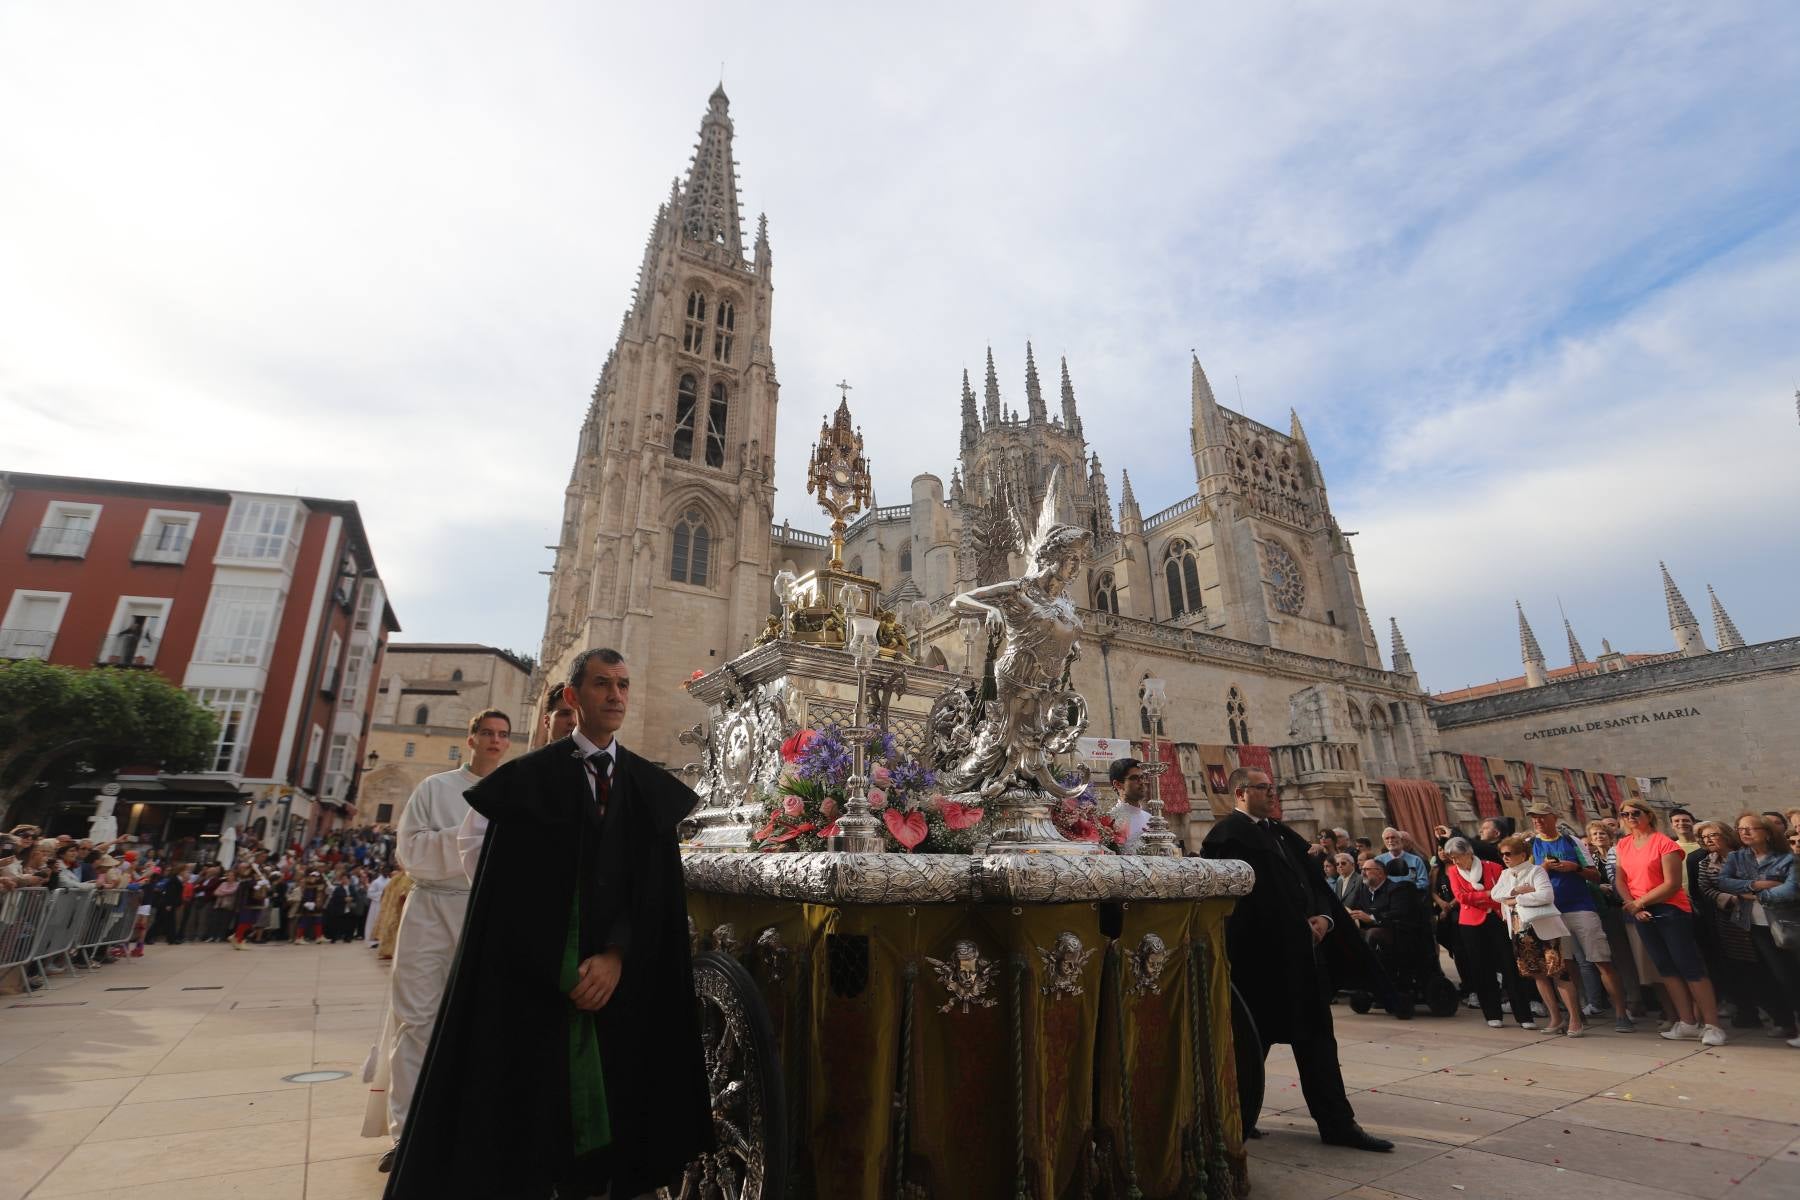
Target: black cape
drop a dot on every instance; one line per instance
(1286, 980)
(490, 1116)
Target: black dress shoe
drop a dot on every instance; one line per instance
(387, 1160)
(1356, 1139)
(1252, 1132)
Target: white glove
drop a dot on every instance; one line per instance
(309, 906)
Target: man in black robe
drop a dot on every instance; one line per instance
(1275, 940)
(576, 941)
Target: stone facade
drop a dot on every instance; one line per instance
(1243, 595)
(420, 725)
(1720, 724)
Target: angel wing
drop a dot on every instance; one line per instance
(1034, 542)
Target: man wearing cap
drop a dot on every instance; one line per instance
(1561, 856)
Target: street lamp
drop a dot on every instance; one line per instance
(1158, 840)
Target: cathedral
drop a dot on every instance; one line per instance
(1243, 596)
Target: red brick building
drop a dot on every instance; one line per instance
(267, 609)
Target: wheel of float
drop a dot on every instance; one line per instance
(1361, 1002)
(743, 1076)
(1441, 998)
(1248, 1046)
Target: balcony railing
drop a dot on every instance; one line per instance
(161, 548)
(55, 541)
(26, 643)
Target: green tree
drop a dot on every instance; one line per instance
(56, 721)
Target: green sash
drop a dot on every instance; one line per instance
(587, 1083)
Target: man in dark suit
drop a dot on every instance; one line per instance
(1274, 940)
(566, 1056)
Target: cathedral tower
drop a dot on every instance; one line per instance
(666, 516)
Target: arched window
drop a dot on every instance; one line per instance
(1381, 739)
(715, 427)
(1237, 718)
(693, 332)
(1106, 594)
(1182, 571)
(906, 558)
(724, 326)
(422, 715)
(456, 675)
(690, 549)
(856, 565)
(687, 397)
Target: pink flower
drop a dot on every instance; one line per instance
(796, 744)
(880, 774)
(957, 816)
(829, 831)
(793, 806)
(935, 802)
(877, 800)
(828, 808)
(909, 829)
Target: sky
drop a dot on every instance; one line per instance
(1527, 272)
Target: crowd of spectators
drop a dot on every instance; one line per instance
(326, 889)
(1696, 928)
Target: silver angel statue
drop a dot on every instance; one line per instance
(1034, 715)
(967, 976)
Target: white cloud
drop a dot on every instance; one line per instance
(1524, 273)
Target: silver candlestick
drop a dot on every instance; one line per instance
(1158, 840)
(858, 830)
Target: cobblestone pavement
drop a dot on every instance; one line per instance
(163, 1077)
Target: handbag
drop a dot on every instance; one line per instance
(1785, 934)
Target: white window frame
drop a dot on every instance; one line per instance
(315, 746)
(155, 521)
(224, 597)
(157, 628)
(215, 698)
(334, 653)
(337, 765)
(10, 642)
(355, 667)
(243, 532)
(43, 543)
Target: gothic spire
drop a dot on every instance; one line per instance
(1577, 656)
(1529, 650)
(1034, 394)
(990, 402)
(1131, 520)
(1681, 618)
(762, 256)
(1725, 631)
(971, 424)
(710, 201)
(1294, 428)
(1403, 664)
(1071, 418)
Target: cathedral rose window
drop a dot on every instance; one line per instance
(1285, 578)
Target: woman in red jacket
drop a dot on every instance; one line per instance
(1486, 948)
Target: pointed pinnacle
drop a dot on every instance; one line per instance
(1529, 649)
(1679, 612)
(1725, 630)
(1577, 656)
(1034, 392)
(1294, 428)
(1394, 633)
(1125, 496)
(1202, 389)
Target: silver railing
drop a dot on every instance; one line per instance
(51, 932)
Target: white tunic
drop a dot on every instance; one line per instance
(425, 946)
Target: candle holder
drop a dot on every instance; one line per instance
(1158, 840)
(858, 830)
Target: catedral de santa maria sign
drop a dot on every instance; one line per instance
(1647, 718)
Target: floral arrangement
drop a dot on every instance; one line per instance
(1079, 817)
(809, 797)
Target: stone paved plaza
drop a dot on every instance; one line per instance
(162, 1077)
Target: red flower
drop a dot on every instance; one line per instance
(796, 744)
(961, 816)
(909, 829)
(829, 831)
(791, 834)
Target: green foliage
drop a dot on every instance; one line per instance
(58, 720)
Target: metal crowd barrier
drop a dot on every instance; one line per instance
(40, 929)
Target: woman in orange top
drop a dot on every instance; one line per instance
(1651, 873)
(1486, 948)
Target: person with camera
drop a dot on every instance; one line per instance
(1571, 878)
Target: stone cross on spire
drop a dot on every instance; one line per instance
(710, 202)
(1725, 631)
(1529, 650)
(1682, 624)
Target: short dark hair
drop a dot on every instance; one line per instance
(601, 654)
(554, 697)
(1385, 867)
(1120, 768)
(476, 720)
(1240, 779)
(1679, 812)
